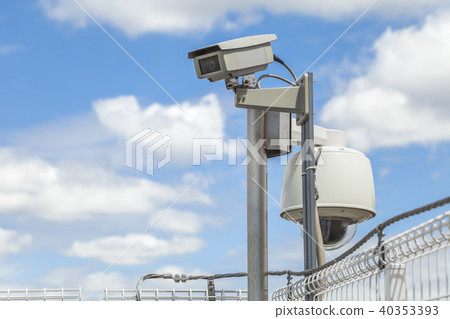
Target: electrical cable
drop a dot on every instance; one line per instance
(377, 230)
(145, 277)
(272, 76)
(277, 59)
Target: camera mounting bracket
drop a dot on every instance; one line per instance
(293, 99)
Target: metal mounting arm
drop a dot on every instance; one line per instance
(292, 99)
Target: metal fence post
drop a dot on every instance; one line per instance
(211, 290)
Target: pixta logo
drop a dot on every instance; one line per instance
(141, 151)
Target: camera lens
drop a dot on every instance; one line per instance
(209, 65)
(336, 232)
(333, 231)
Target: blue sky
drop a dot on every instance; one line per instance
(70, 97)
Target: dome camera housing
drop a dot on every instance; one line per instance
(346, 193)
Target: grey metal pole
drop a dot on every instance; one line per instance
(257, 260)
(308, 187)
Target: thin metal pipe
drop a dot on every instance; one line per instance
(421, 278)
(413, 280)
(446, 272)
(257, 260)
(320, 249)
(308, 187)
(429, 275)
(437, 272)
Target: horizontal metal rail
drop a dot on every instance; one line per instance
(61, 294)
(175, 294)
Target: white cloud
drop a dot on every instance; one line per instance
(135, 17)
(7, 49)
(125, 117)
(98, 281)
(79, 138)
(139, 249)
(77, 192)
(11, 242)
(119, 118)
(177, 221)
(384, 172)
(403, 96)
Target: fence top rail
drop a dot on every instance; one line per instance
(43, 290)
(41, 294)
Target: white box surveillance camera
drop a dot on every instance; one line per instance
(231, 59)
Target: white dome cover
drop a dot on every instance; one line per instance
(344, 182)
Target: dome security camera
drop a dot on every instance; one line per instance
(345, 186)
